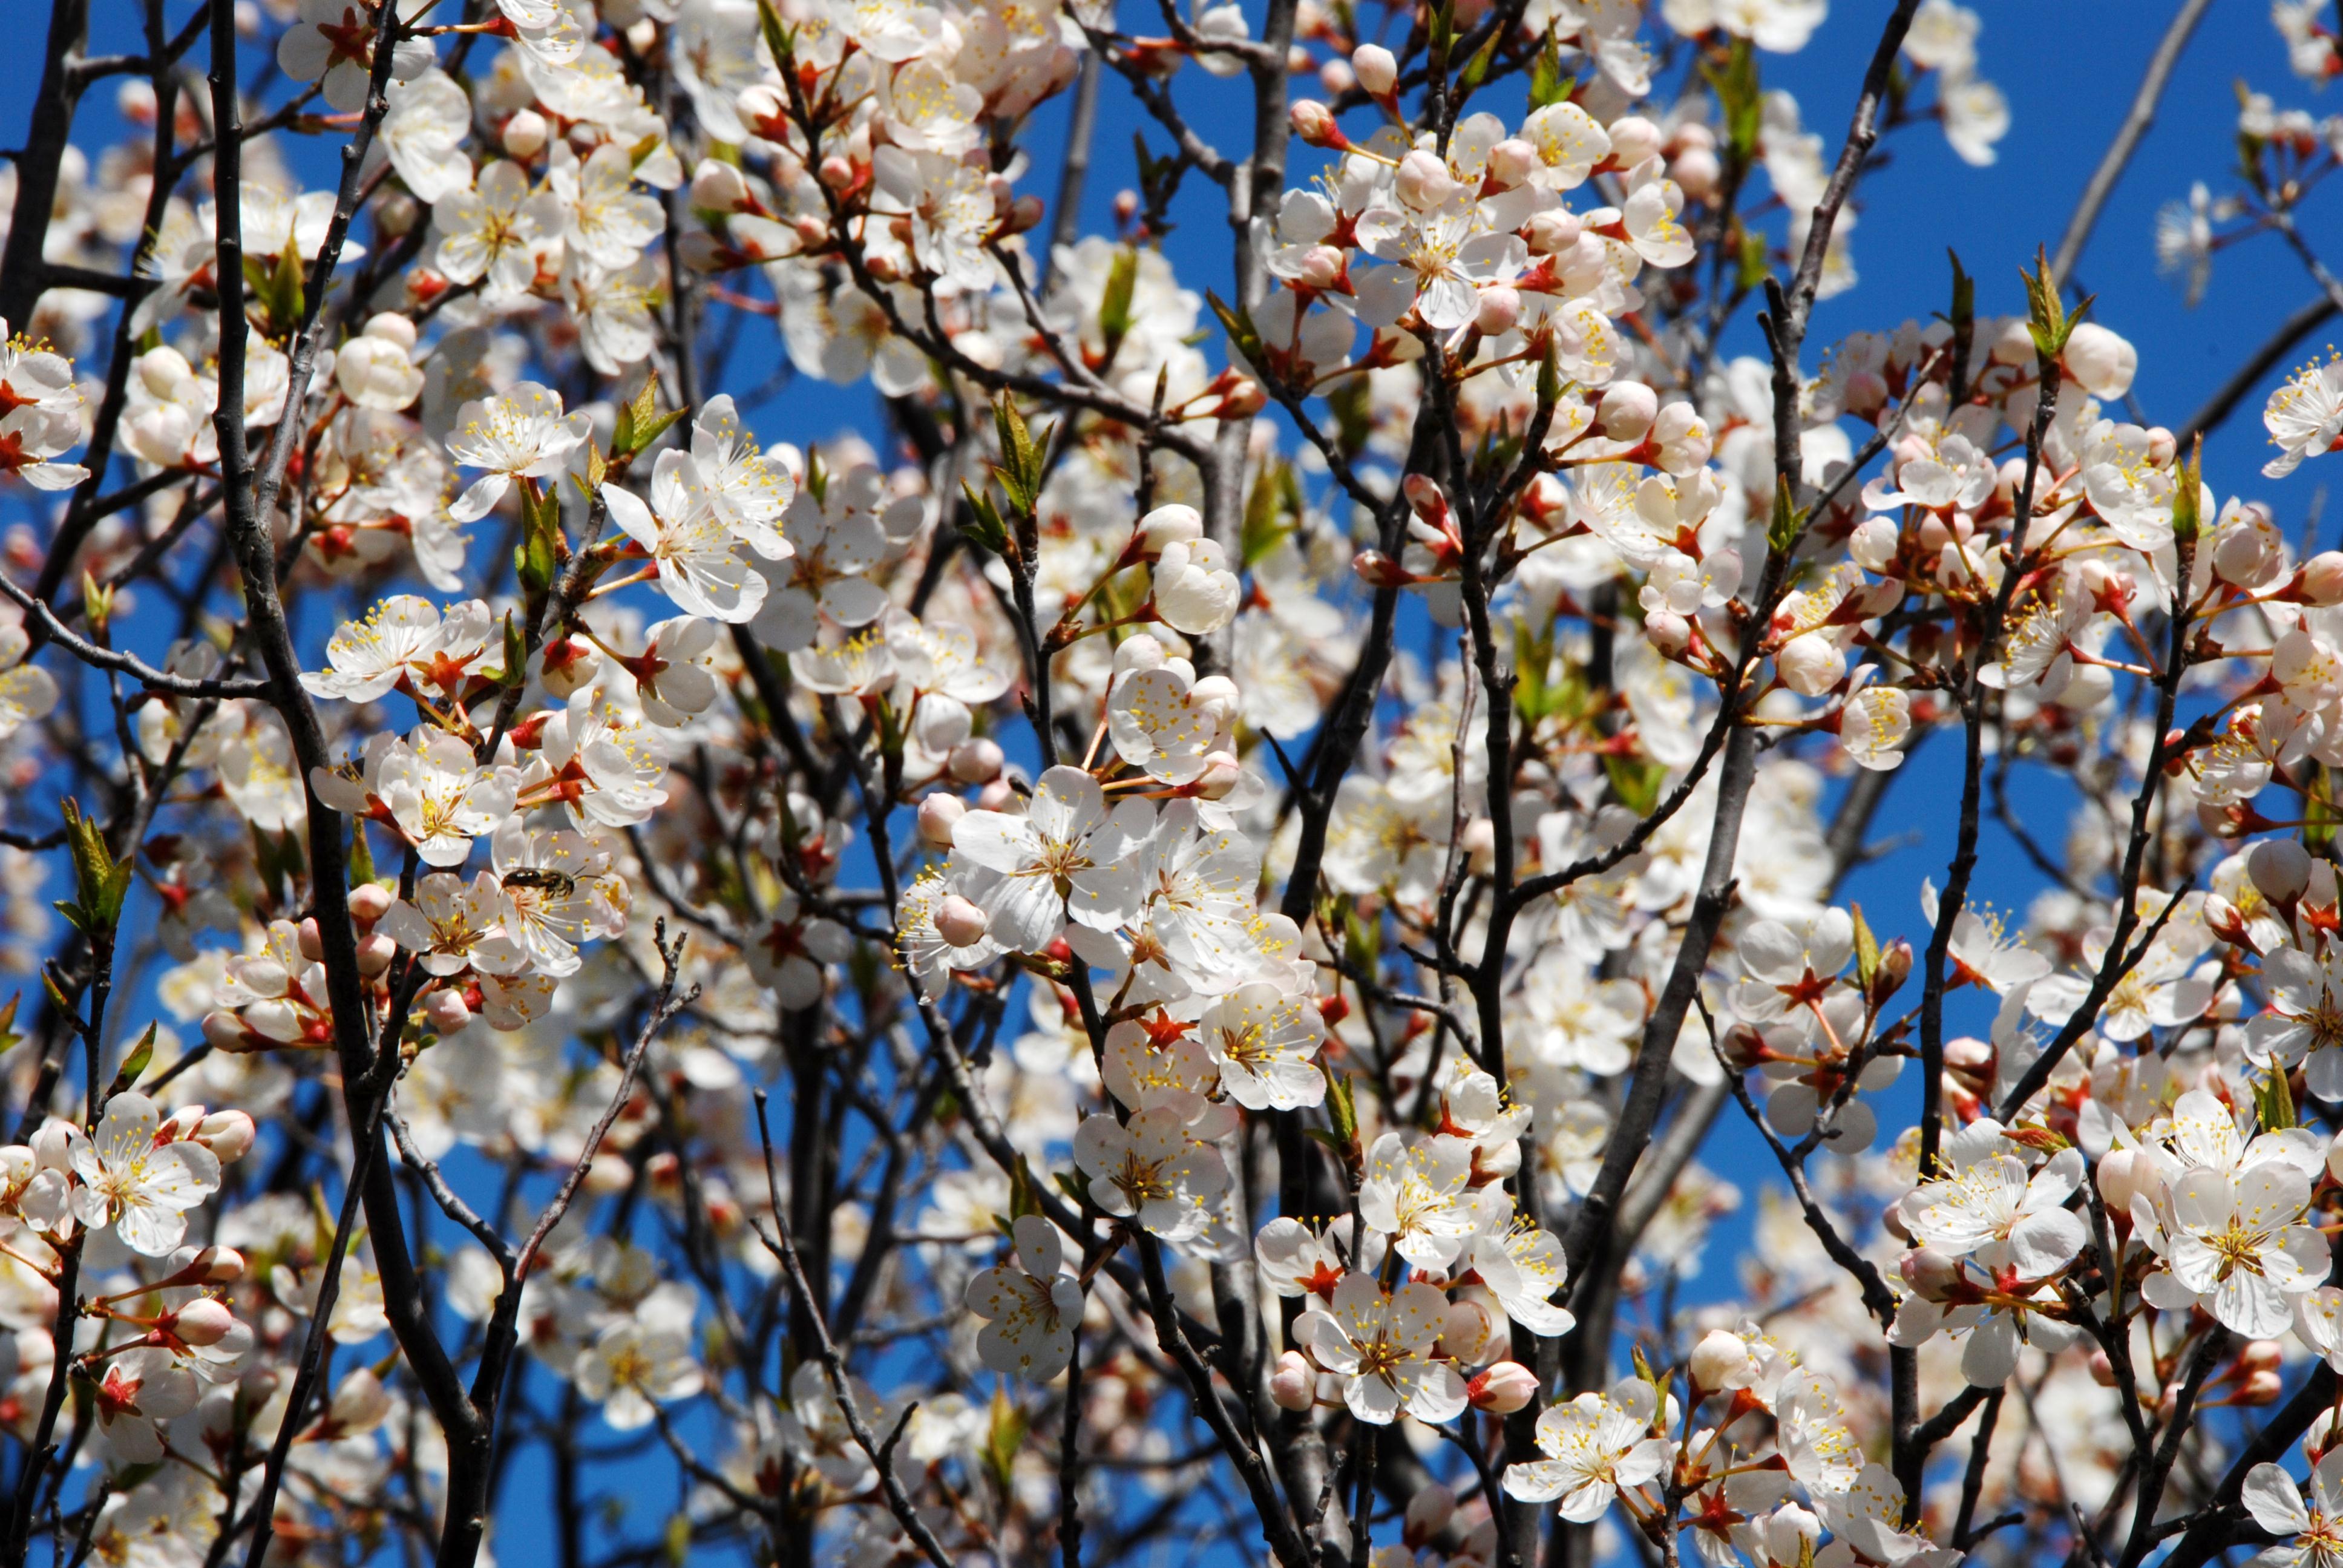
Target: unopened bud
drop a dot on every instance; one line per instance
(2322, 577)
(369, 902)
(1314, 122)
(960, 922)
(1480, 845)
(1423, 180)
(1377, 71)
(374, 953)
(310, 940)
(1428, 1514)
(1512, 161)
(391, 326)
(1669, 632)
(1635, 138)
(1337, 77)
(1502, 1389)
(2120, 1173)
(223, 1031)
(2261, 1388)
(836, 172)
(718, 187)
(2103, 1371)
(1969, 1054)
(1291, 1383)
(938, 815)
(446, 1011)
(2261, 1355)
(524, 134)
(1721, 1357)
(976, 761)
(1500, 308)
(1627, 410)
(1932, 1274)
(1220, 775)
(228, 1134)
(2281, 867)
(203, 1322)
(1169, 524)
(1553, 233)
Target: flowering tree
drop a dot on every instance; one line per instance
(1149, 963)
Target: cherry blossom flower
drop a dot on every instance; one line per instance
(1031, 1307)
(1380, 1346)
(521, 433)
(1069, 856)
(2311, 1531)
(142, 1189)
(1596, 1445)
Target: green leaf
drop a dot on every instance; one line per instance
(100, 883)
(1276, 496)
(2047, 320)
(780, 37)
(1636, 783)
(2188, 495)
(1023, 461)
(1004, 1440)
(1114, 306)
(1237, 324)
(9, 1038)
(1021, 1198)
(1548, 85)
(134, 1066)
(1476, 69)
(1782, 533)
(362, 869)
(2273, 1101)
(985, 526)
(1867, 949)
(1735, 83)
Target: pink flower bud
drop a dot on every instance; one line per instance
(1480, 845)
(1321, 267)
(2261, 1388)
(1423, 180)
(1968, 1054)
(2120, 1177)
(1337, 77)
(1500, 308)
(1378, 72)
(1930, 1272)
(391, 327)
(2322, 577)
(718, 187)
(223, 1031)
(524, 134)
(1504, 1389)
(836, 172)
(220, 1265)
(1512, 161)
(997, 796)
(960, 922)
(1669, 632)
(1632, 139)
(1428, 1514)
(2261, 1355)
(1221, 774)
(311, 942)
(938, 815)
(976, 761)
(1872, 543)
(227, 1133)
(1697, 171)
(1553, 233)
(1169, 524)
(203, 1322)
(1291, 1383)
(1627, 410)
(2103, 1371)
(1024, 213)
(2281, 867)
(446, 1011)
(1721, 1357)
(374, 953)
(369, 902)
(1314, 122)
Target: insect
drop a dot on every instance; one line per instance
(544, 879)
